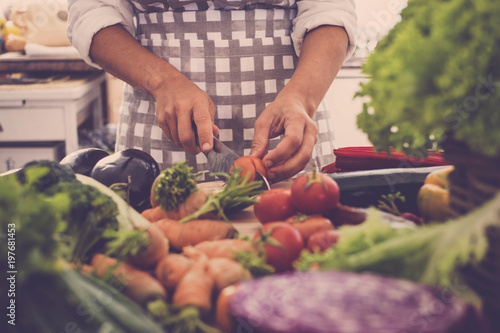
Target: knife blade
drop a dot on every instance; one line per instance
(221, 158)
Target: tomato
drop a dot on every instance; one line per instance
(281, 257)
(315, 193)
(249, 165)
(323, 240)
(309, 224)
(274, 205)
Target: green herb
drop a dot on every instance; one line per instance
(236, 195)
(434, 75)
(388, 203)
(174, 185)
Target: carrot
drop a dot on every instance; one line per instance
(193, 232)
(138, 285)
(226, 272)
(195, 288)
(309, 224)
(224, 248)
(154, 214)
(223, 318)
(171, 269)
(156, 250)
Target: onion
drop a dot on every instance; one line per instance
(83, 161)
(129, 166)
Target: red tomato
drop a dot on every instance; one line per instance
(310, 224)
(274, 205)
(292, 243)
(315, 193)
(249, 165)
(323, 240)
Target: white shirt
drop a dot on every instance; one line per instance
(87, 17)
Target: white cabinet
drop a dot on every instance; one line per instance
(36, 119)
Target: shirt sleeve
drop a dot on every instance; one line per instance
(314, 13)
(87, 17)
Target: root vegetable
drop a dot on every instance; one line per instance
(226, 272)
(308, 225)
(193, 232)
(171, 269)
(195, 288)
(156, 250)
(223, 318)
(224, 248)
(138, 285)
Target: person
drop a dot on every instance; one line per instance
(253, 72)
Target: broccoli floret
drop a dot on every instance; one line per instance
(43, 174)
(86, 199)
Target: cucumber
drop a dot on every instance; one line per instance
(365, 188)
(72, 302)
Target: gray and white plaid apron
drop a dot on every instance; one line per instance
(240, 52)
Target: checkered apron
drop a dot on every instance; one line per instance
(239, 52)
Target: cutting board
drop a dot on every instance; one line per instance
(245, 221)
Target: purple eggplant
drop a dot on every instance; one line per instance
(133, 170)
(83, 161)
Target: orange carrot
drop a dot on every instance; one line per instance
(223, 318)
(171, 269)
(154, 214)
(226, 272)
(224, 248)
(195, 288)
(194, 231)
(156, 250)
(138, 285)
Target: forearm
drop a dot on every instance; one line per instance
(117, 52)
(322, 55)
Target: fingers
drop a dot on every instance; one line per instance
(203, 119)
(260, 140)
(293, 153)
(176, 121)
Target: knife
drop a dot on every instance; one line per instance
(221, 158)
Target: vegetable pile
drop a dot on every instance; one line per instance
(181, 266)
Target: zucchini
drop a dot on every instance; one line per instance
(73, 302)
(365, 188)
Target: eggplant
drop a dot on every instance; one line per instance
(130, 168)
(83, 161)
(340, 302)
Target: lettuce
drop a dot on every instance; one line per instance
(436, 73)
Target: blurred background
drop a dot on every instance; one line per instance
(39, 70)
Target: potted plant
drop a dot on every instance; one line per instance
(434, 83)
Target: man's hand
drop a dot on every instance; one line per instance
(286, 115)
(323, 52)
(179, 102)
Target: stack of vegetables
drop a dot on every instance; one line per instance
(90, 249)
(180, 265)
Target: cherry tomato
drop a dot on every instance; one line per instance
(249, 165)
(323, 240)
(315, 193)
(281, 256)
(309, 224)
(274, 205)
